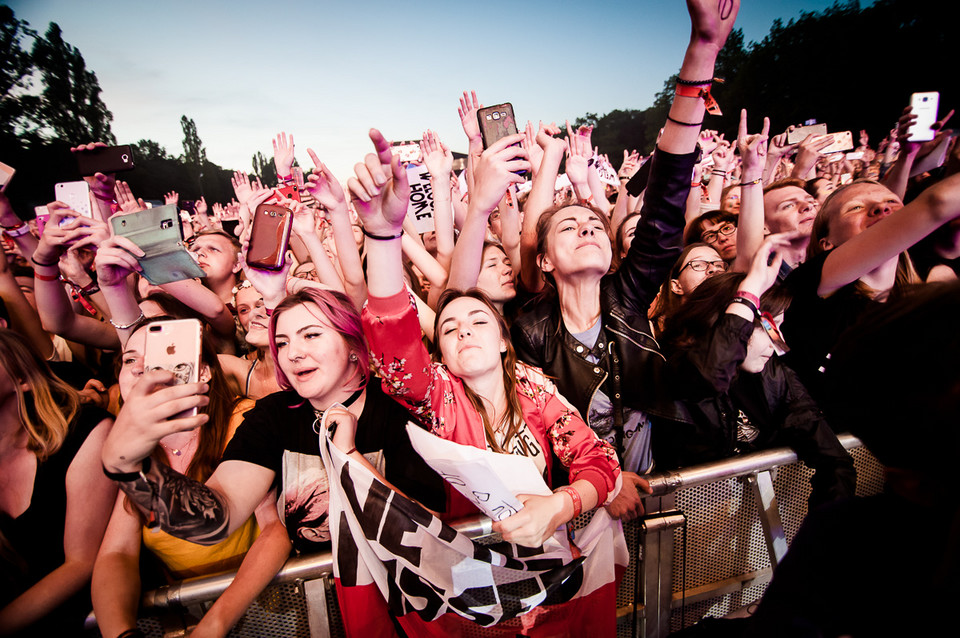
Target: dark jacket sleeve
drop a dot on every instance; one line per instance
(708, 368)
(659, 235)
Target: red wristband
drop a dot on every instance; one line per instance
(749, 296)
(43, 277)
(575, 497)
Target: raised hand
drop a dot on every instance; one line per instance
(436, 157)
(304, 218)
(380, 190)
(101, 185)
(546, 137)
(533, 149)
(753, 148)
(766, 263)
(779, 146)
(201, 206)
(722, 156)
(324, 186)
(496, 171)
(283, 154)
(241, 186)
(116, 259)
(146, 418)
(630, 165)
(711, 21)
(128, 203)
(468, 116)
(173, 197)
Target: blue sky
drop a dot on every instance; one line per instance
(328, 71)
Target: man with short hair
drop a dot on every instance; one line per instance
(787, 207)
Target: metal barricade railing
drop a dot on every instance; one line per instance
(709, 540)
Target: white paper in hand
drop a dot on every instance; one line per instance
(489, 480)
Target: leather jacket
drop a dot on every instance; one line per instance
(630, 366)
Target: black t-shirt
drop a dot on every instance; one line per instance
(32, 543)
(812, 324)
(278, 434)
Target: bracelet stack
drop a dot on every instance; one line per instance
(748, 299)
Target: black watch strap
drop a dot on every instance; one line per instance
(126, 477)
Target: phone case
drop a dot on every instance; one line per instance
(800, 133)
(156, 231)
(496, 122)
(842, 141)
(925, 108)
(105, 159)
(175, 346)
(76, 195)
(269, 236)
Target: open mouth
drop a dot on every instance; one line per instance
(304, 374)
(257, 324)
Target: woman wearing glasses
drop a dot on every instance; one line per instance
(742, 398)
(696, 263)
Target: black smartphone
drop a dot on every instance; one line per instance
(230, 225)
(105, 159)
(496, 122)
(638, 182)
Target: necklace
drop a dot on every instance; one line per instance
(179, 451)
(319, 413)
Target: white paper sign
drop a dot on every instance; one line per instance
(420, 204)
(479, 474)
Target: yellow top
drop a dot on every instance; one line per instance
(184, 559)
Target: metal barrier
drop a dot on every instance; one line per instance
(708, 546)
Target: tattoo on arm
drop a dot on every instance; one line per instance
(180, 506)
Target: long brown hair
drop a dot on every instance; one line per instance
(49, 405)
(212, 436)
(513, 417)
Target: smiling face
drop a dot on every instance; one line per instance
(577, 245)
(789, 208)
(470, 339)
(496, 276)
(314, 357)
(252, 315)
(856, 208)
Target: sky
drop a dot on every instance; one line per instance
(328, 71)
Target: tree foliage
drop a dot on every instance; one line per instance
(193, 151)
(849, 66)
(15, 69)
(70, 107)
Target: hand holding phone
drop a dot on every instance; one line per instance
(924, 107)
(175, 346)
(269, 236)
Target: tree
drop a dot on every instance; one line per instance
(264, 168)
(193, 151)
(70, 107)
(149, 150)
(16, 68)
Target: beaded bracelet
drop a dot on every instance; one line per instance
(694, 82)
(129, 325)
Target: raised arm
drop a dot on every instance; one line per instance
(753, 151)
(539, 200)
(439, 162)
(54, 306)
(326, 189)
(496, 170)
(23, 317)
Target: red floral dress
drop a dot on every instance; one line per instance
(430, 392)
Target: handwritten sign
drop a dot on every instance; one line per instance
(420, 204)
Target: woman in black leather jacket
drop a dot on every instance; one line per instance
(742, 397)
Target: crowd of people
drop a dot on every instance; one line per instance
(683, 311)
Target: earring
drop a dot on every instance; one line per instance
(353, 356)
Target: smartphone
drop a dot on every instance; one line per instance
(638, 183)
(288, 192)
(496, 122)
(175, 346)
(6, 174)
(76, 195)
(42, 215)
(269, 236)
(157, 232)
(925, 108)
(105, 159)
(842, 141)
(800, 133)
(409, 152)
(230, 226)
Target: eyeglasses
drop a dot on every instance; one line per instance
(700, 265)
(711, 235)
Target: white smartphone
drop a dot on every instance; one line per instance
(175, 346)
(925, 108)
(76, 195)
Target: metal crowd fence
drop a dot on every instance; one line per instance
(706, 546)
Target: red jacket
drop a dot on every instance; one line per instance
(430, 392)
